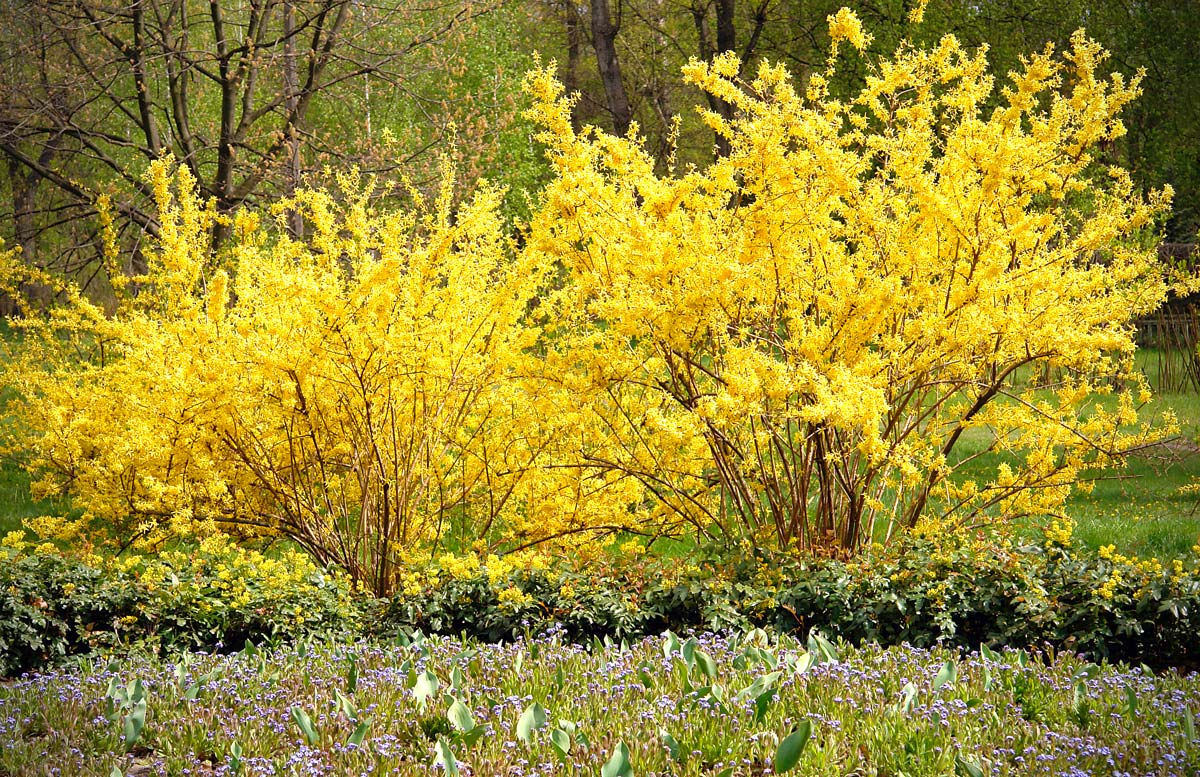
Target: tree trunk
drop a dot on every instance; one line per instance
(575, 42)
(604, 38)
(291, 86)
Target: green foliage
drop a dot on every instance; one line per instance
(53, 606)
(967, 593)
(929, 590)
(584, 606)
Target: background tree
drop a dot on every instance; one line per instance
(251, 98)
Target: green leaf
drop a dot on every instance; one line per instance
(966, 768)
(1131, 700)
(670, 644)
(761, 683)
(469, 738)
(910, 698)
(352, 674)
(533, 718)
(306, 726)
(706, 664)
(617, 764)
(672, 745)
(426, 687)
(822, 648)
(460, 717)
(561, 741)
(1079, 705)
(688, 651)
(346, 705)
(947, 675)
(359, 734)
(445, 757)
(116, 772)
(135, 721)
(792, 747)
(456, 679)
(762, 703)
(987, 653)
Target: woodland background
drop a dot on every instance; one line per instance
(259, 97)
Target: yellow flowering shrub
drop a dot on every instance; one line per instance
(350, 390)
(790, 344)
(786, 347)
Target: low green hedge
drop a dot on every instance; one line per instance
(964, 592)
(212, 597)
(1102, 605)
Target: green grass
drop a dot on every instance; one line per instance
(16, 502)
(1140, 507)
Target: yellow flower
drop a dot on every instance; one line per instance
(513, 598)
(844, 25)
(14, 539)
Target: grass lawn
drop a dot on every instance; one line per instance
(15, 502)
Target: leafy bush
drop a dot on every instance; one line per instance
(221, 595)
(217, 596)
(971, 591)
(618, 601)
(962, 590)
(53, 606)
(933, 590)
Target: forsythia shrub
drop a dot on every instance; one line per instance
(351, 391)
(788, 347)
(791, 344)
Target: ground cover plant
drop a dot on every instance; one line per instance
(734, 704)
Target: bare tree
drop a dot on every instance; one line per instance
(250, 95)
